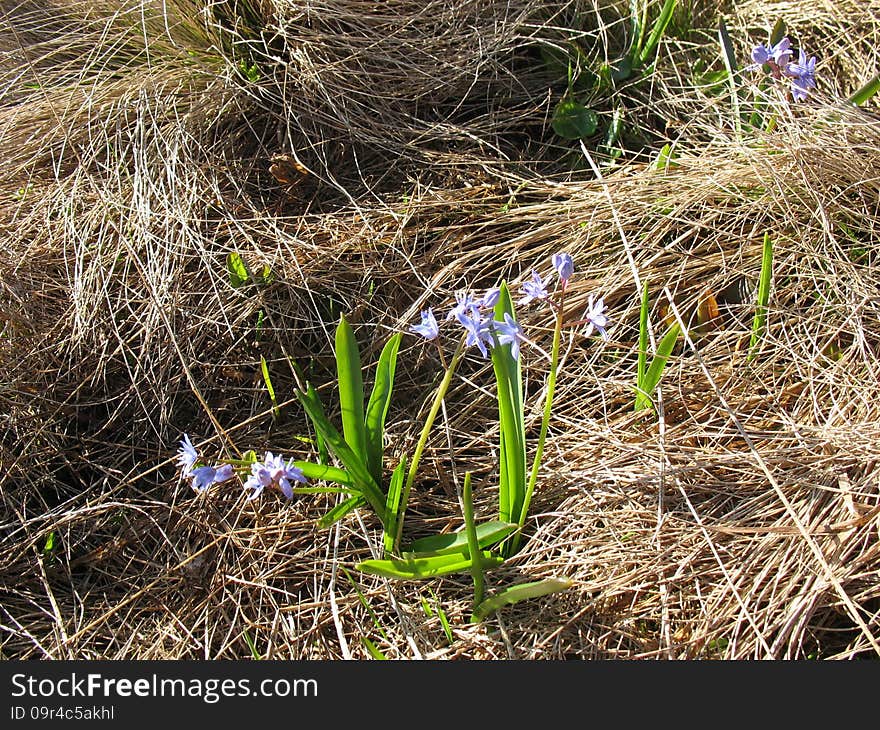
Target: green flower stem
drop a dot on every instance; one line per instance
(423, 440)
(545, 421)
(473, 542)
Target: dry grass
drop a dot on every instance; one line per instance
(744, 522)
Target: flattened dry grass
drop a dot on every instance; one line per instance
(742, 521)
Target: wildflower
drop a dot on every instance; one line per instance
(595, 317)
(428, 327)
(802, 76)
(491, 297)
(465, 306)
(534, 289)
(204, 476)
(564, 266)
(273, 472)
(509, 333)
(479, 332)
(776, 57)
(186, 456)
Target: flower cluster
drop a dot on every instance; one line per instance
(484, 331)
(776, 59)
(271, 472)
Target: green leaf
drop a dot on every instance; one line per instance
(778, 32)
(657, 31)
(392, 505)
(508, 379)
(642, 364)
(572, 120)
(422, 568)
(865, 93)
(251, 645)
(374, 650)
(488, 534)
(238, 273)
(268, 381)
(727, 49)
(340, 510)
(517, 593)
(763, 296)
(324, 473)
(472, 541)
(353, 464)
(351, 389)
(377, 408)
(655, 371)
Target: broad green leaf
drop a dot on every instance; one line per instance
(340, 510)
(351, 389)
(763, 297)
(488, 534)
(377, 408)
(421, 568)
(517, 593)
(392, 505)
(508, 378)
(572, 120)
(657, 31)
(238, 273)
(655, 371)
(353, 464)
(323, 473)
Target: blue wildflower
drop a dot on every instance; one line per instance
(564, 266)
(428, 327)
(509, 333)
(491, 297)
(775, 56)
(273, 472)
(595, 317)
(465, 306)
(803, 76)
(534, 289)
(204, 476)
(187, 456)
(479, 331)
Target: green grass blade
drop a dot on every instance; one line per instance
(657, 31)
(361, 478)
(488, 534)
(392, 505)
(444, 622)
(517, 593)
(351, 389)
(655, 371)
(374, 650)
(365, 603)
(763, 297)
(251, 645)
(642, 365)
(728, 55)
(340, 510)
(508, 378)
(377, 408)
(866, 92)
(264, 367)
(422, 568)
(321, 473)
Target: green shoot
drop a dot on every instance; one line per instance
(374, 650)
(657, 31)
(351, 389)
(516, 593)
(251, 645)
(647, 379)
(866, 92)
(264, 368)
(763, 296)
(473, 543)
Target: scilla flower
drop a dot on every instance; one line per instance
(803, 76)
(465, 306)
(776, 57)
(479, 332)
(564, 266)
(595, 317)
(187, 456)
(509, 333)
(534, 289)
(428, 327)
(273, 472)
(204, 476)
